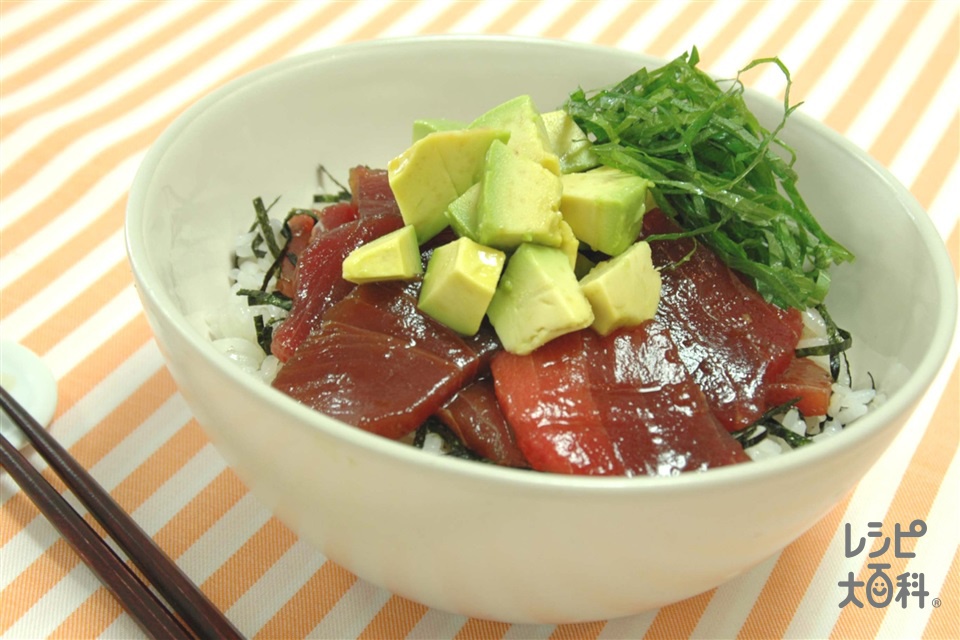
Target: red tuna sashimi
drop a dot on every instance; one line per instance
(620, 404)
(485, 344)
(657, 417)
(371, 192)
(474, 415)
(339, 370)
(805, 380)
(548, 402)
(301, 227)
(319, 281)
(390, 308)
(336, 214)
(731, 340)
(377, 363)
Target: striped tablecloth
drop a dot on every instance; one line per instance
(85, 88)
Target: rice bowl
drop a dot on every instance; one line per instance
(358, 497)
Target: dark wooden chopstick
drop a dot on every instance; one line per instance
(144, 607)
(193, 607)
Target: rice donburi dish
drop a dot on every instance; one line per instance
(629, 284)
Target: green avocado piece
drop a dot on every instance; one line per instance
(537, 300)
(462, 213)
(394, 256)
(460, 280)
(569, 142)
(424, 127)
(528, 136)
(434, 171)
(623, 291)
(519, 201)
(605, 207)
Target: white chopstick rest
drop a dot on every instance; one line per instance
(31, 383)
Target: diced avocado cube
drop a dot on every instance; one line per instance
(394, 256)
(424, 127)
(569, 142)
(519, 201)
(528, 136)
(623, 291)
(434, 171)
(605, 207)
(569, 243)
(537, 300)
(460, 280)
(464, 153)
(462, 213)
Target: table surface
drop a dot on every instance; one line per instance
(87, 86)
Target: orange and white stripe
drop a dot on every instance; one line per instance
(85, 88)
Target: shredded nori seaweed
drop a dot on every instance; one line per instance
(264, 334)
(838, 341)
(342, 195)
(264, 331)
(258, 296)
(751, 435)
(263, 221)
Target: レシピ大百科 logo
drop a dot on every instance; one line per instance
(879, 589)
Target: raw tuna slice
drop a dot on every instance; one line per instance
(474, 415)
(390, 308)
(339, 370)
(319, 282)
(336, 214)
(485, 344)
(371, 192)
(548, 402)
(623, 404)
(731, 340)
(301, 228)
(376, 362)
(806, 381)
(658, 419)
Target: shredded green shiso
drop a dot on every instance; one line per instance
(717, 171)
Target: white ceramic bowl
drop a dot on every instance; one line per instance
(482, 541)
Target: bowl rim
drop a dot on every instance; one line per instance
(150, 289)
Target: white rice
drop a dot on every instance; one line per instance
(231, 330)
(235, 336)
